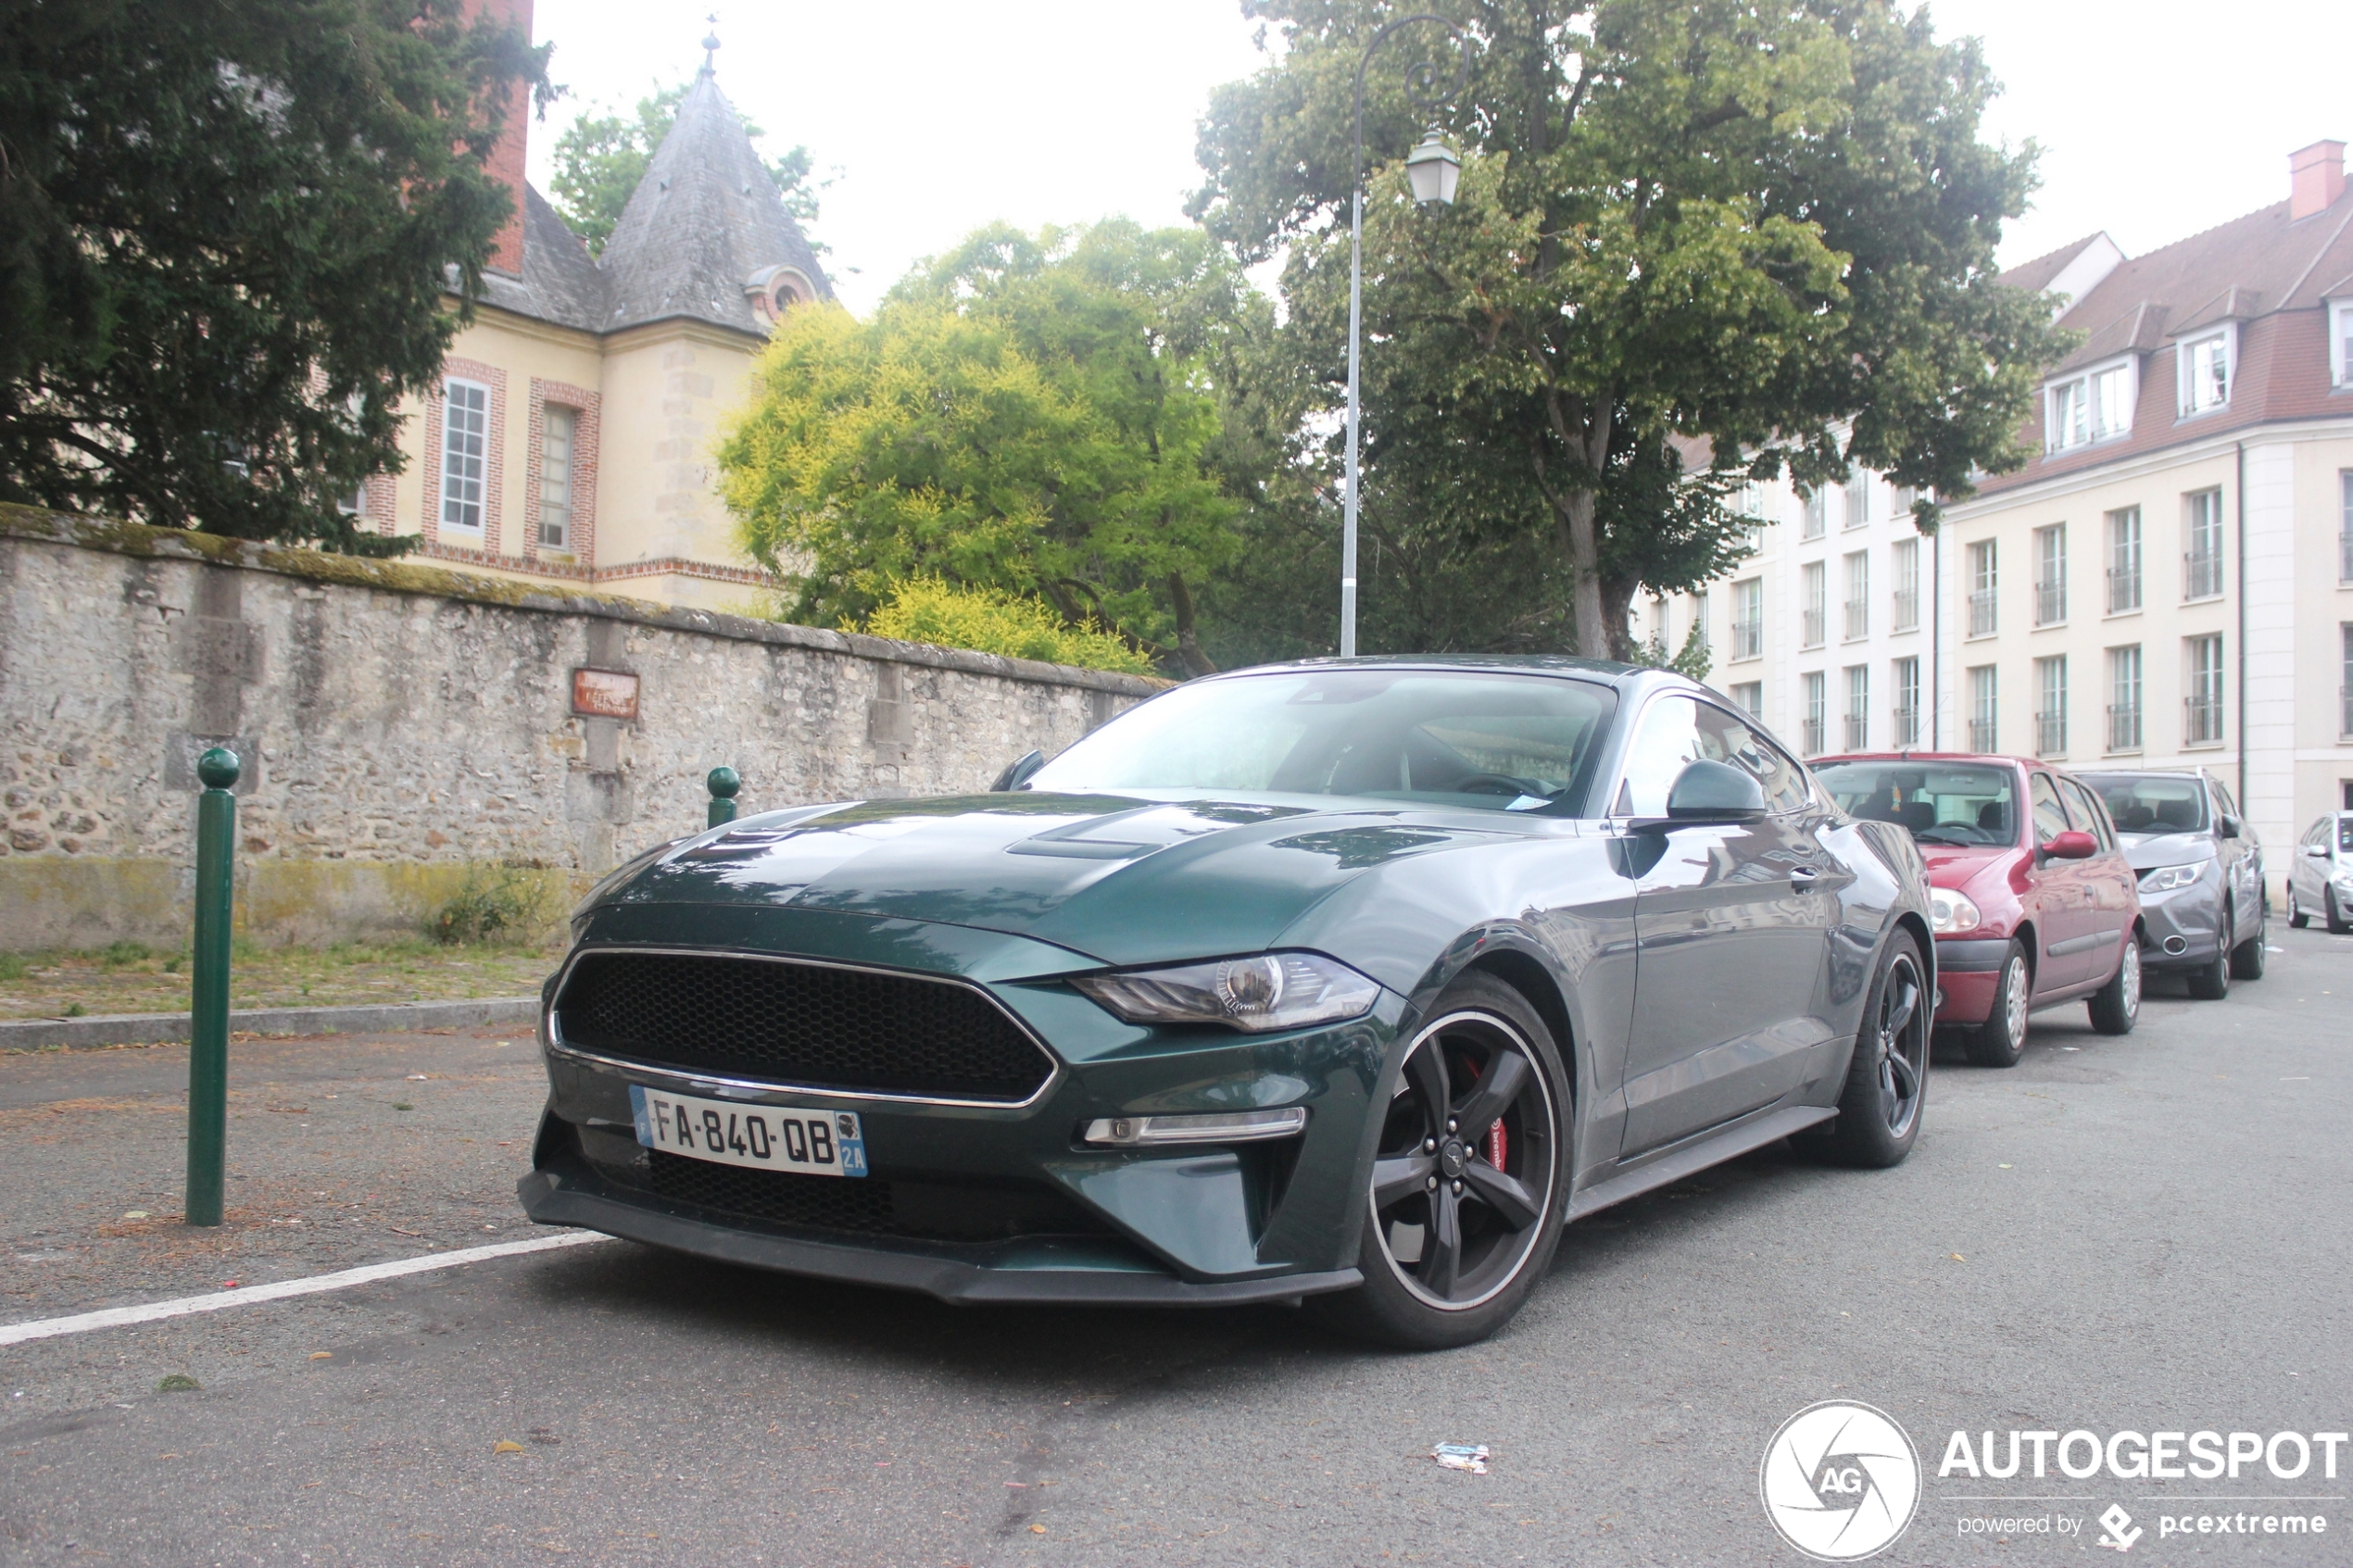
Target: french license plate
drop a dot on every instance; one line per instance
(761, 1137)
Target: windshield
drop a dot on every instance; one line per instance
(2148, 803)
(1962, 803)
(1519, 741)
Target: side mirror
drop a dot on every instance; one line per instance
(1017, 773)
(2230, 825)
(2319, 851)
(2072, 845)
(1708, 792)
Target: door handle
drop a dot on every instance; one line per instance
(1803, 877)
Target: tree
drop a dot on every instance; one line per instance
(228, 229)
(1759, 237)
(1035, 415)
(600, 159)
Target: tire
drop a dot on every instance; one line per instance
(2338, 925)
(2115, 1006)
(1427, 1178)
(1886, 1088)
(2247, 958)
(2001, 1039)
(2297, 918)
(2211, 982)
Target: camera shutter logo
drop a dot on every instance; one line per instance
(1841, 1481)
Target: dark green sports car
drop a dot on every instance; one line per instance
(1347, 983)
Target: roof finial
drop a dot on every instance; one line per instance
(711, 44)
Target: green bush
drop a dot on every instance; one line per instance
(930, 609)
(12, 968)
(507, 903)
(119, 955)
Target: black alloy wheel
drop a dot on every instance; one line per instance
(1469, 1187)
(1878, 1113)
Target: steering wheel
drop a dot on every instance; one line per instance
(1494, 784)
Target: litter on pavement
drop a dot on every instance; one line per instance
(1462, 1456)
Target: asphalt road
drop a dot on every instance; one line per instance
(2150, 1232)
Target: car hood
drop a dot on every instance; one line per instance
(1126, 878)
(1955, 866)
(2143, 851)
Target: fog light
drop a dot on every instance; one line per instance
(1217, 1126)
(2177, 946)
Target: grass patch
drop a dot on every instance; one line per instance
(77, 983)
(495, 904)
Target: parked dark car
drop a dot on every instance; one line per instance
(2033, 902)
(2203, 905)
(1345, 981)
(2321, 877)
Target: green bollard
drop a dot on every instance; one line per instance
(208, 1027)
(722, 783)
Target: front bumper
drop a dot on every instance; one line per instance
(996, 1201)
(1967, 971)
(2192, 915)
(1045, 1270)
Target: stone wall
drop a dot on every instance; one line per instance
(404, 727)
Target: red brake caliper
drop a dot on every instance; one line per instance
(1499, 1145)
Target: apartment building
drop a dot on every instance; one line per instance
(1830, 632)
(2169, 580)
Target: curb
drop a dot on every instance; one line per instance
(157, 1028)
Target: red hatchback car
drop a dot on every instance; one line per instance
(2032, 901)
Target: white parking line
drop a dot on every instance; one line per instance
(116, 1317)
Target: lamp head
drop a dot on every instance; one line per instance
(1433, 170)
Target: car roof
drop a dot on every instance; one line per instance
(1992, 758)
(1604, 669)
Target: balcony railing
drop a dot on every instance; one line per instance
(1980, 613)
(1814, 735)
(2202, 720)
(1748, 639)
(2050, 603)
(1908, 726)
(2123, 589)
(2050, 734)
(1810, 627)
(1857, 620)
(1907, 609)
(1980, 734)
(1858, 732)
(2201, 576)
(2124, 727)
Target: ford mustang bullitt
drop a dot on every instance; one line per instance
(1344, 983)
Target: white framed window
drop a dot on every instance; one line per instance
(2202, 709)
(1984, 707)
(465, 454)
(2124, 699)
(1984, 578)
(2341, 343)
(1817, 702)
(2202, 531)
(1858, 706)
(2050, 716)
(1856, 621)
(1814, 516)
(1858, 500)
(1907, 674)
(1813, 603)
(2207, 365)
(2125, 560)
(1903, 566)
(1749, 697)
(2050, 574)
(559, 433)
(1748, 618)
(2096, 405)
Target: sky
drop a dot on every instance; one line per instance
(2156, 120)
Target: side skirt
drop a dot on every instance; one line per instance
(1714, 1150)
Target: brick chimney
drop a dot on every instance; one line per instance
(2316, 178)
(506, 163)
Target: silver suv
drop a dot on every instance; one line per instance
(2321, 877)
(2201, 874)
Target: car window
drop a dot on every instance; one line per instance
(2151, 802)
(2222, 801)
(2080, 804)
(2050, 817)
(1784, 781)
(1958, 803)
(2344, 833)
(1677, 730)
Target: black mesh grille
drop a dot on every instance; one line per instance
(870, 1206)
(800, 1024)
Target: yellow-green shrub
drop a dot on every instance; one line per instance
(930, 609)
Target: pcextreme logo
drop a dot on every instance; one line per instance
(1840, 1481)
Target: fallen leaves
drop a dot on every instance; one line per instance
(506, 1446)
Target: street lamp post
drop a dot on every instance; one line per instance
(1433, 170)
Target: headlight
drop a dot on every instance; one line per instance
(1272, 991)
(2164, 879)
(1949, 911)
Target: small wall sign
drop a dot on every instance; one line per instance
(604, 694)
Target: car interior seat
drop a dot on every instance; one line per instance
(2136, 818)
(2178, 815)
(1993, 817)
